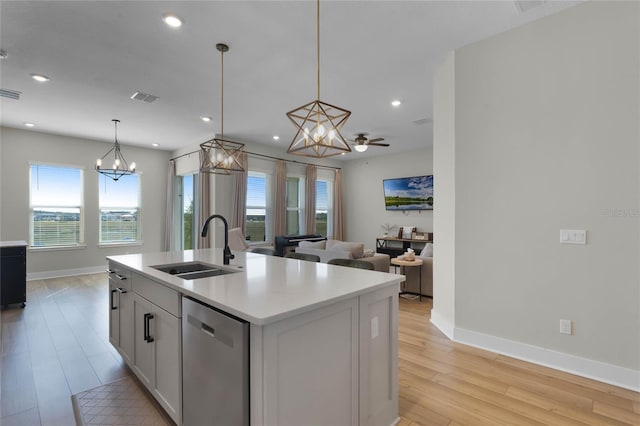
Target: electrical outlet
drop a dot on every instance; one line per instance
(566, 326)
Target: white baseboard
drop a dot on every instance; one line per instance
(596, 370)
(443, 325)
(65, 273)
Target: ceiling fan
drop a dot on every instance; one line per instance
(362, 142)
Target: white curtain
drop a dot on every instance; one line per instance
(280, 199)
(310, 199)
(239, 196)
(169, 226)
(204, 202)
(338, 208)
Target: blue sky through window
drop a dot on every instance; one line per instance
(322, 195)
(120, 193)
(53, 186)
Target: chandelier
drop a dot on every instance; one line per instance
(318, 123)
(221, 156)
(119, 167)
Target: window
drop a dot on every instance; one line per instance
(324, 207)
(295, 186)
(55, 206)
(188, 227)
(257, 207)
(119, 203)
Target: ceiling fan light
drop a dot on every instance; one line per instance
(360, 148)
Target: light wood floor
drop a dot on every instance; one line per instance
(58, 346)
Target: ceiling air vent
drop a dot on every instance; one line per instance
(525, 5)
(11, 94)
(140, 96)
(422, 121)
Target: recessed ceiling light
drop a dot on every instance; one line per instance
(39, 77)
(396, 103)
(276, 138)
(29, 124)
(172, 20)
(205, 119)
(155, 145)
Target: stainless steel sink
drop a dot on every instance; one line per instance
(192, 270)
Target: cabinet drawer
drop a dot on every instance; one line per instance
(13, 251)
(119, 276)
(158, 294)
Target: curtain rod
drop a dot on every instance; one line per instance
(292, 161)
(183, 155)
(266, 156)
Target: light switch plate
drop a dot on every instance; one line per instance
(573, 236)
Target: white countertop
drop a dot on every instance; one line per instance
(4, 244)
(266, 288)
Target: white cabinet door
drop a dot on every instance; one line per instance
(312, 354)
(114, 315)
(167, 343)
(143, 362)
(126, 325)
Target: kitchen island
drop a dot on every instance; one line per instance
(322, 338)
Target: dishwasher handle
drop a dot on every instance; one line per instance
(221, 334)
(206, 329)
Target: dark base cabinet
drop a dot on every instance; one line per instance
(13, 273)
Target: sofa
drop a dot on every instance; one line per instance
(335, 249)
(412, 283)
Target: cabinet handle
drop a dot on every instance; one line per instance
(120, 277)
(121, 290)
(112, 306)
(110, 271)
(147, 337)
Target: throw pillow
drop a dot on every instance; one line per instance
(368, 253)
(427, 251)
(313, 244)
(356, 249)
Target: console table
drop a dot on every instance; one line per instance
(394, 247)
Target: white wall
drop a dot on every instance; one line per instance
(546, 138)
(444, 275)
(18, 147)
(364, 197)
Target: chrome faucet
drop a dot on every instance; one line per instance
(227, 251)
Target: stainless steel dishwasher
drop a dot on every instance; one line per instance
(215, 366)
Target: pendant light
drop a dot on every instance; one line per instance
(318, 123)
(119, 167)
(221, 156)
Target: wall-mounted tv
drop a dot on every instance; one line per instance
(409, 193)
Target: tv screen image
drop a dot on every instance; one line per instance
(410, 193)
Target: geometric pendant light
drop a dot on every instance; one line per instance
(318, 123)
(119, 167)
(221, 156)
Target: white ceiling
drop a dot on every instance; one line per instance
(98, 54)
